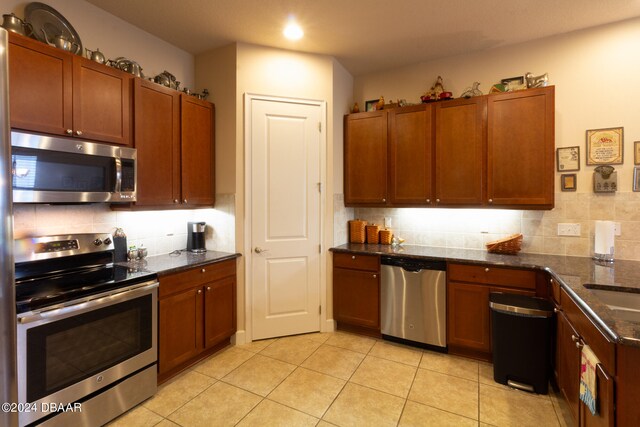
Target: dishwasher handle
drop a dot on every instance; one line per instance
(414, 265)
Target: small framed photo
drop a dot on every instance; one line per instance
(370, 105)
(513, 83)
(605, 146)
(636, 179)
(636, 153)
(568, 159)
(568, 182)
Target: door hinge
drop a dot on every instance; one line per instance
(319, 249)
(319, 187)
(319, 309)
(319, 126)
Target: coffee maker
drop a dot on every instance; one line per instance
(196, 237)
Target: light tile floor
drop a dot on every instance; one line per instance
(340, 379)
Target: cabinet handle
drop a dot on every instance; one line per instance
(428, 200)
(175, 200)
(574, 338)
(375, 276)
(199, 291)
(555, 310)
(490, 200)
(208, 288)
(203, 271)
(486, 270)
(79, 132)
(579, 344)
(437, 200)
(69, 132)
(384, 200)
(184, 201)
(353, 257)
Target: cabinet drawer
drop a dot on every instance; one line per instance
(492, 276)
(356, 261)
(599, 343)
(177, 282)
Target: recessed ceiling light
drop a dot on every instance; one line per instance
(293, 31)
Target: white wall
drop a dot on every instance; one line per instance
(115, 37)
(595, 72)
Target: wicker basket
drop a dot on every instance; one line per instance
(373, 234)
(356, 231)
(509, 245)
(385, 236)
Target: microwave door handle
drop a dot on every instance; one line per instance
(118, 167)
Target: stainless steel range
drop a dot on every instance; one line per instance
(86, 331)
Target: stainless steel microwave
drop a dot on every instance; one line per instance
(48, 169)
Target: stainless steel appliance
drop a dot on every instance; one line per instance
(413, 302)
(86, 331)
(49, 169)
(196, 236)
(8, 390)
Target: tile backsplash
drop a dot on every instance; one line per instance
(472, 228)
(160, 231)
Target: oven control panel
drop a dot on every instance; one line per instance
(61, 245)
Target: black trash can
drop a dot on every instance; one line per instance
(522, 330)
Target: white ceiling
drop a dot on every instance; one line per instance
(367, 35)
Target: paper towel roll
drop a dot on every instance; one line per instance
(604, 240)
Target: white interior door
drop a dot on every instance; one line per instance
(285, 217)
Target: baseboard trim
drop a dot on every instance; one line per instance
(329, 326)
(239, 338)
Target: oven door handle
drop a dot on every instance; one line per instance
(90, 303)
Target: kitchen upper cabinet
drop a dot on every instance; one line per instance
(197, 315)
(520, 147)
(460, 145)
(56, 92)
(365, 159)
(411, 155)
(197, 152)
(157, 140)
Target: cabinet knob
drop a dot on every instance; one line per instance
(486, 270)
(555, 310)
(353, 257)
(79, 132)
(574, 338)
(375, 276)
(208, 288)
(579, 344)
(437, 200)
(203, 271)
(184, 201)
(428, 200)
(490, 200)
(384, 200)
(69, 132)
(199, 291)
(175, 200)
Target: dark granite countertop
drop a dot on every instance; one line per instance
(175, 262)
(571, 272)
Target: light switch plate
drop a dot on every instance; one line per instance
(387, 222)
(569, 229)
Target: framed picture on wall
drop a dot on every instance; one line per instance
(568, 182)
(636, 153)
(636, 179)
(568, 159)
(605, 146)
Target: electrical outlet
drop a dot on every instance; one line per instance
(387, 222)
(569, 229)
(618, 230)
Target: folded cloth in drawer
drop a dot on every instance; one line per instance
(588, 386)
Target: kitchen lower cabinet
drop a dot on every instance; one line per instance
(356, 293)
(567, 363)
(59, 93)
(197, 315)
(468, 313)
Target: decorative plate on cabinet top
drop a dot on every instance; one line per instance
(44, 17)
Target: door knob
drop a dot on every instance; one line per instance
(259, 250)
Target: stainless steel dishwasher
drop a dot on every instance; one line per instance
(413, 302)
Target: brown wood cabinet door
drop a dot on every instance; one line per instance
(365, 159)
(605, 407)
(520, 148)
(157, 140)
(468, 320)
(219, 311)
(197, 152)
(180, 327)
(460, 140)
(568, 363)
(410, 155)
(102, 102)
(40, 86)
(356, 297)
